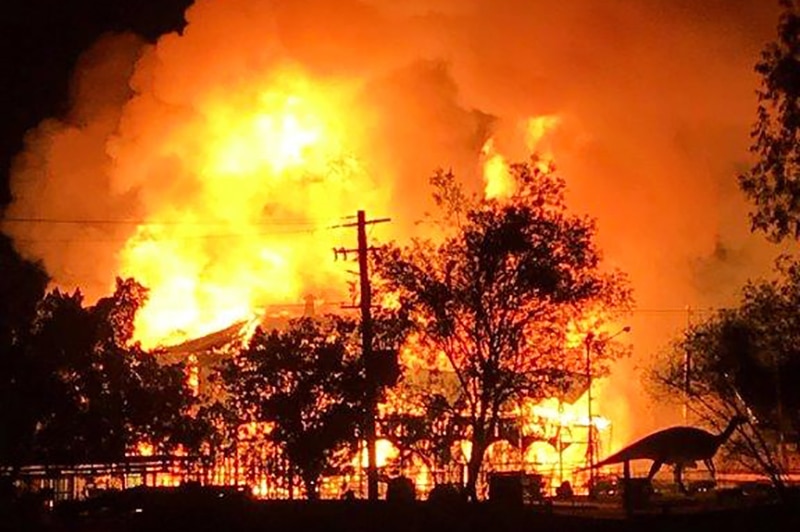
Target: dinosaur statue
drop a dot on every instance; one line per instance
(679, 446)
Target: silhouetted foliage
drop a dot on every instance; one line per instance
(773, 183)
(744, 360)
(218, 424)
(422, 423)
(308, 383)
(82, 392)
(497, 295)
(22, 286)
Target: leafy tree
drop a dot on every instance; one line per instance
(308, 382)
(773, 183)
(419, 420)
(492, 302)
(217, 425)
(22, 286)
(85, 392)
(744, 360)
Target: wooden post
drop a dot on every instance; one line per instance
(627, 496)
(365, 305)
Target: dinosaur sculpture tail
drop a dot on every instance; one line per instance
(633, 451)
(616, 458)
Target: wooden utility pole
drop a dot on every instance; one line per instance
(590, 435)
(365, 304)
(687, 370)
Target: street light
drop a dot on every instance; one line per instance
(590, 443)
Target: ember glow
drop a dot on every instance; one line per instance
(271, 165)
(210, 164)
(238, 193)
(496, 174)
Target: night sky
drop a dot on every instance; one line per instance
(42, 39)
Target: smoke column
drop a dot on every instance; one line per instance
(654, 102)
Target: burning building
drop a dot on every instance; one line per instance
(215, 164)
(549, 439)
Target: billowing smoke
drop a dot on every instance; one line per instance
(654, 101)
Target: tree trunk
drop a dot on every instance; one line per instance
(291, 481)
(311, 488)
(475, 463)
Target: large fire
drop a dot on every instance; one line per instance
(275, 165)
(208, 163)
(496, 174)
(257, 173)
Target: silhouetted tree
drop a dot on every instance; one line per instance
(308, 383)
(492, 302)
(744, 360)
(217, 424)
(22, 286)
(422, 421)
(86, 392)
(773, 183)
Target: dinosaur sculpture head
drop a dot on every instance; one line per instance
(732, 425)
(738, 419)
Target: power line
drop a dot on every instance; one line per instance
(158, 238)
(294, 229)
(140, 222)
(668, 310)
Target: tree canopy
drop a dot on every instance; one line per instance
(493, 302)
(22, 286)
(75, 389)
(744, 360)
(773, 182)
(308, 383)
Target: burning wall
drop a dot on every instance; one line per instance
(210, 164)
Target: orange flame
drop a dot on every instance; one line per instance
(273, 165)
(497, 177)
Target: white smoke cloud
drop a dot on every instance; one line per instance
(656, 101)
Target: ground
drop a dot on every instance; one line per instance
(203, 510)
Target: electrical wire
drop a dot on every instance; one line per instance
(311, 227)
(100, 221)
(161, 238)
(282, 227)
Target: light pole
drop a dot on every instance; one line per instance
(590, 439)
